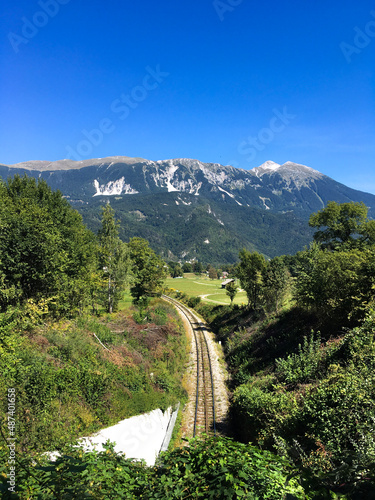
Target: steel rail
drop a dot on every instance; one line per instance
(194, 320)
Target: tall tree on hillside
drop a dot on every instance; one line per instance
(114, 258)
(275, 280)
(250, 271)
(344, 225)
(231, 290)
(175, 269)
(149, 271)
(337, 285)
(45, 248)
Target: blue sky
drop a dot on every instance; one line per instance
(230, 81)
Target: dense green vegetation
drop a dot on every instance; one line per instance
(216, 468)
(46, 252)
(49, 257)
(73, 368)
(62, 373)
(303, 378)
(301, 354)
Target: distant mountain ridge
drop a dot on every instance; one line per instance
(271, 186)
(246, 207)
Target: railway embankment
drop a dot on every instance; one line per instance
(205, 380)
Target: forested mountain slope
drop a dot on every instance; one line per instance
(189, 209)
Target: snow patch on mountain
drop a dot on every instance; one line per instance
(165, 177)
(292, 175)
(266, 168)
(210, 211)
(169, 178)
(184, 202)
(113, 188)
(264, 202)
(269, 165)
(229, 194)
(226, 192)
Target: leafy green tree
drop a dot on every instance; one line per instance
(212, 273)
(275, 281)
(175, 269)
(231, 290)
(45, 248)
(114, 258)
(198, 267)
(337, 285)
(177, 272)
(149, 271)
(214, 468)
(343, 225)
(250, 271)
(187, 267)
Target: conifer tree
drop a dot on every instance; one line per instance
(113, 258)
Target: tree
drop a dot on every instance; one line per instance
(114, 259)
(175, 269)
(149, 271)
(231, 290)
(187, 267)
(275, 280)
(198, 267)
(343, 225)
(46, 250)
(337, 285)
(212, 273)
(249, 271)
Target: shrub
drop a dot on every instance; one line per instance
(193, 301)
(304, 365)
(259, 412)
(207, 469)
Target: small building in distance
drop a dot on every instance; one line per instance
(225, 283)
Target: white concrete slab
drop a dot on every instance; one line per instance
(139, 437)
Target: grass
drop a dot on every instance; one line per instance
(194, 286)
(126, 302)
(209, 290)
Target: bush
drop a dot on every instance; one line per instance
(159, 316)
(193, 301)
(207, 469)
(303, 366)
(259, 411)
(340, 414)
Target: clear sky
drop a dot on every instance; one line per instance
(229, 81)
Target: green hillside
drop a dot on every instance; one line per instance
(299, 343)
(202, 229)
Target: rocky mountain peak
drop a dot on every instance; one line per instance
(267, 167)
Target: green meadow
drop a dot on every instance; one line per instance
(209, 290)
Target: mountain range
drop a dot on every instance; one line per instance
(188, 209)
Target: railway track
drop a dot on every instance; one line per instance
(204, 419)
